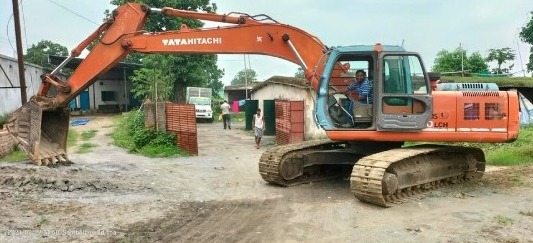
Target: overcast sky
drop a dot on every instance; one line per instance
(423, 26)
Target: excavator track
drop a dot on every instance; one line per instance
(284, 165)
(399, 175)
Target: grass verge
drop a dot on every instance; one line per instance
(503, 220)
(239, 116)
(72, 137)
(88, 134)
(15, 156)
(517, 153)
(85, 148)
(131, 134)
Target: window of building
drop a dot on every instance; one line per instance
(109, 96)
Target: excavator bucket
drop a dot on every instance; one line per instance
(41, 133)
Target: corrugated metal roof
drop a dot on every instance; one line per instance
(289, 81)
(241, 86)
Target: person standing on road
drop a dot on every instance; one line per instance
(259, 126)
(225, 114)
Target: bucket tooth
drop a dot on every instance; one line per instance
(54, 160)
(62, 158)
(41, 131)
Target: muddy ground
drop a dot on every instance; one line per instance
(109, 195)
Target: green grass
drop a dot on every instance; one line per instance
(72, 137)
(88, 134)
(130, 133)
(517, 153)
(15, 156)
(85, 148)
(151, 151)
(121, 134)
(239, 116)
(502, 220)
(3, 118)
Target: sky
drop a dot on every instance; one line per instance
(422, 26)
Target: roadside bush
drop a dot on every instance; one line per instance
(3, 119)
(131, 134)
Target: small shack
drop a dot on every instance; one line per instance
(293, 89)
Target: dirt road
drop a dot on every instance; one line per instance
(109, 195)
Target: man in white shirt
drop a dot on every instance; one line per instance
(259, 127)
(225, 114)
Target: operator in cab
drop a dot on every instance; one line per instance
(362, 86)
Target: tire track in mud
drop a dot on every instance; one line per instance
(214, 221)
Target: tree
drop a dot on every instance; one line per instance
(244, 76)
(38, 54)
(476, 63)
(458, 60)
(184, 69)
(527, 36)
(300, 73)
(500, 56)
(151, 75)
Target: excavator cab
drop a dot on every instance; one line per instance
(399, 98)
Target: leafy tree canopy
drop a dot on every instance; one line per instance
(152, 81)
(458, 60)
(300, 73)
(244, 76)
(38, 54)
(527, 36)
(501, 56)
(177, 71)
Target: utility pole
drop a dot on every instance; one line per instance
(245, 78)
(20, 52)
(462, 66)
(250, 68)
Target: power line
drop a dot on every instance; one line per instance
(24, 22)
(79, 15)
(7, 28)
(7, 33)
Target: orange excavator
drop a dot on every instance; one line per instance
(366, 139)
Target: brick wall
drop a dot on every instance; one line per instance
(6, 143)
(181, 120)
(289, 121)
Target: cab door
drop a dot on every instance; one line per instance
(404, 100)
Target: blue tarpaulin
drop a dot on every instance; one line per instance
(79, 122)
(526, 117)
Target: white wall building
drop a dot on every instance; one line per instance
(110, 93)
(290, 88)
(10, 98)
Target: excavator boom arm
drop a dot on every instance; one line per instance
(41, 125)
(249, 36)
